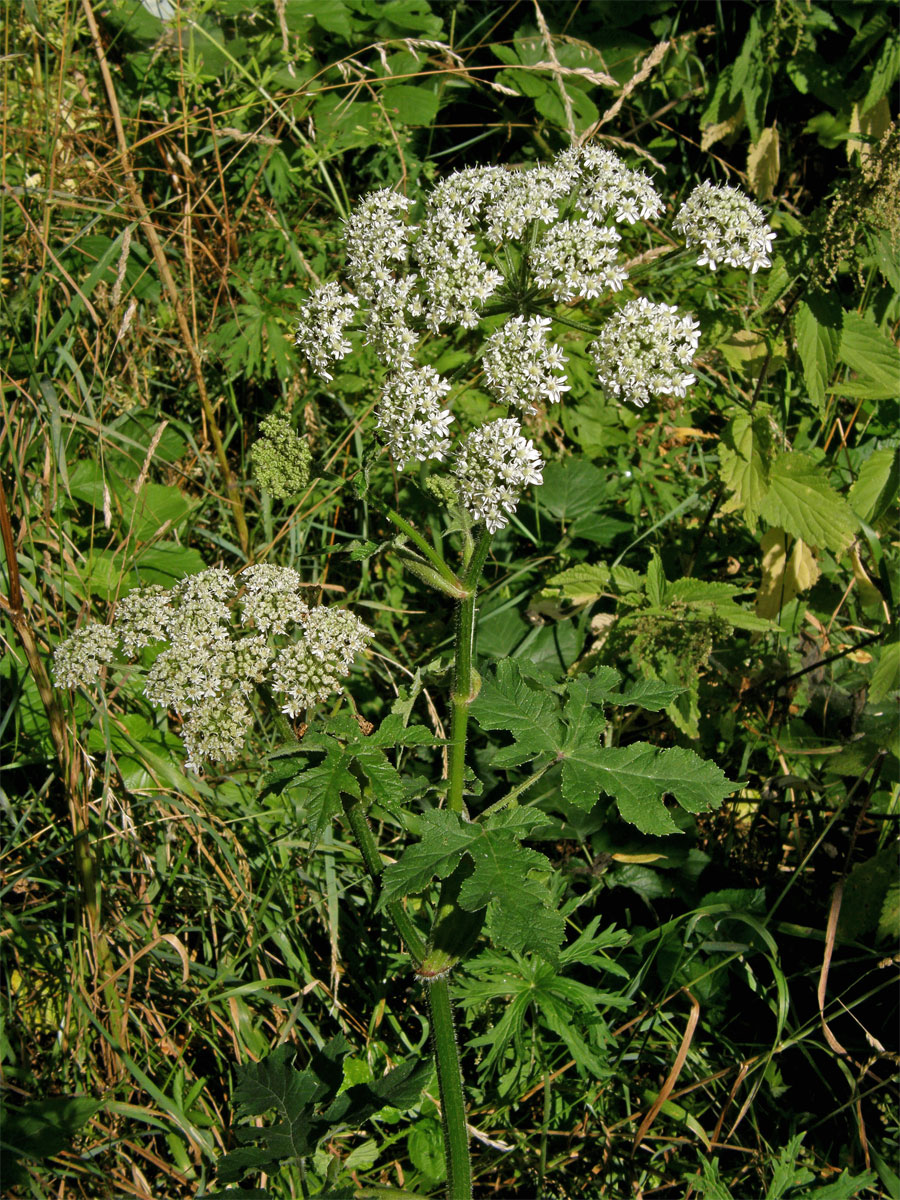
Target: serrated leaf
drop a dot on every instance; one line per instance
(271, 1084)
(501, 877)
(506, 701)
(869, 352)
(802, 501)
(316, 792)
(582, 584)
(637, 777)
(745, 454)
(401, 1088)
(876, 486)
(817, 329)
(886, 677)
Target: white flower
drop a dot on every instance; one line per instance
(646, 350)
(609, 187)
(321, 325)
(376, 239)
(529, 196)
(455, 279)
(311, 670)
(577, 258)
(78, 660)
(727, 226)
(493, 465)
(272, 602)
(411, 418)
(519, 365)
(143, 616)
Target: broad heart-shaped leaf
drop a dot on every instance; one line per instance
(745, 453)
(638, 776)
(523, 915)
(801, 501)
(817, 328)
(871, 353)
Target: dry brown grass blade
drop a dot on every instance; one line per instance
(653, 59)
(834, 913)
(672, 1078)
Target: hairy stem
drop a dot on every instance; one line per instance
(358, 822)
(453, 1106)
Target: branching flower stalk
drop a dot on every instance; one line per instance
(509, 261)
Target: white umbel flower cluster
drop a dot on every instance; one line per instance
(82, 656)
(515, 244)
(311, 671)
(411, 419)
(520, 364)
(210, 664)
(646, 350)
(727, 226)
(493, 465)
(577, 258)
(609, 188)
(320, 331)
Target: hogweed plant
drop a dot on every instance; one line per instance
(503, 265)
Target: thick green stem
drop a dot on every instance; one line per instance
(429, 552)
(465, 683)
(359, 824)
(453, 1105)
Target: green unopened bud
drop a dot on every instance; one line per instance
(281, 459)
(430, 575)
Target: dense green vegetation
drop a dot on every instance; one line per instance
(183, 952)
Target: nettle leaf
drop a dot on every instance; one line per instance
(876, 486)
(522, 916)
(637, 777)
(745, 454)
(817, 328)
(801, 501)
(872, 354)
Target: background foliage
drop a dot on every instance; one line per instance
(722, 1019)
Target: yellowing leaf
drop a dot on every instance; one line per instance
(764, 163)
(871, 125)
(722, 129)
(784, 575)
(747, 351)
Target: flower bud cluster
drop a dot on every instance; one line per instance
(280, 458)
(646, 350)
(210, 663)
(727, 226)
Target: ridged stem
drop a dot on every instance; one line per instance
(453, 1105)
(464, 683)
